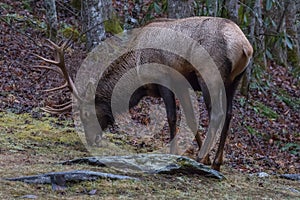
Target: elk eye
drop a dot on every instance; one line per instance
(86, 114)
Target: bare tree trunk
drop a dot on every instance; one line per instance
(253, 24)
(232, 6)
(279, 50)
(260, 34)
(215, 8)
(51, 17)
(298, 19)
(291, 30)
(94, 13)
(126, 16)
(180, 8)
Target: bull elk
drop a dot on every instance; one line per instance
(221, 38)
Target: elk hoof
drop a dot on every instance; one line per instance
(205, 160)
(216, 166)
(174, 150)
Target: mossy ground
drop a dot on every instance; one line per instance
(31, 146)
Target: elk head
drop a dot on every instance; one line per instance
(93, 131)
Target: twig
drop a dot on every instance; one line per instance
(281, 19)
(246, 6)
(67, 8)
(91, 28)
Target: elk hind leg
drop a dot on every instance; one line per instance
(206, 96)
(170, 103)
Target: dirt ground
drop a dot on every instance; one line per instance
(31, 146)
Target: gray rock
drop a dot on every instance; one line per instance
(139, 163)
(295, 177)
(28, 196)
(69, 176)
(263, 174)
(150, 163)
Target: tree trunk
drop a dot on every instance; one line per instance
(279, 50)
(94, 13)
(232, 6)
(291, 30)
(214, 8)
(126, 16)
(51, 17)
(298, 19)
(260, 35)
(180, 8)
(253, 24)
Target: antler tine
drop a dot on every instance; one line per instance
(54, 62)
(51, 110)
(50, 47)
(58, 70)
(55, 46)
(62, 105)
(59, 61)
(57, 88)
(61, 64)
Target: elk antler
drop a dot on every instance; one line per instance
(59, 61)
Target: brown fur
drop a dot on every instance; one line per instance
(221, 38)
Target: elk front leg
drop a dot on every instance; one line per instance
(218, 161)
(169, 100)
(230, 90)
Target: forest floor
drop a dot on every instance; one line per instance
(264, 137)
(32, 146)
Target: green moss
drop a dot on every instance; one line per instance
(70, 31)
(19, 132)
(33, 146)
(293, 57)
(113, 25)
(184, 163)
(76, 4)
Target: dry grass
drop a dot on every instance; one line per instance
(30, 146)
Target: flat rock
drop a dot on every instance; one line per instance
(61, 178)
(150, 163)
(139, 163)
(295, 177)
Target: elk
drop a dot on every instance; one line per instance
(221, 38)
